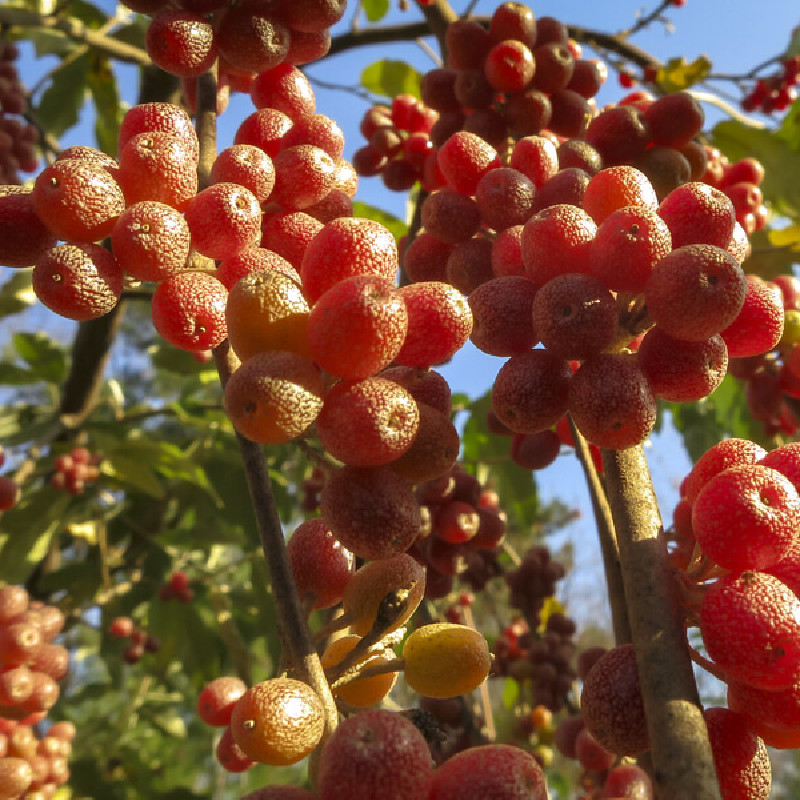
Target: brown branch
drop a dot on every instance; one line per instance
(682, 759)
(608, 539)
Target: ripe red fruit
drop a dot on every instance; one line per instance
(181, 43)
(501, 312)
(535, 450)
(758, 326)
(264, 128)
(252, 40)
(697, 213)
(216, 701)
(375, 753)
(284, 88)
(121, 627)
(230, 756)
(450, 216)
(162, 117)
(674, 119)
(188, 310)
(615, 188)
(727, 453)
(23, 235)
(78, 281)
(489, 771)
(509, 66)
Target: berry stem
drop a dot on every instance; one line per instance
(682, 759)
(608, 538)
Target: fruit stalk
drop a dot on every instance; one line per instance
(682, 760)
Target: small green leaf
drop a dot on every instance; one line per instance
(45, 358)
(132, 473)
(375, 10)
(395, 225)
(108, 111)
(60, 106)
(510, 693)
(391, 78)
(17, 294)
(678, 74)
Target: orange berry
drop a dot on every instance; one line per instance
(361, 692)
(278, 721)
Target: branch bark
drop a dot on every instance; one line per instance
(683, 765)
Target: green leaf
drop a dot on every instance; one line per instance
(60, 106)
(88, 14)
(132, 472)
(678, 74)
(12, 375)
(789, 130)
(395, 225)
(45, 358)
(17, 294)
(786, 237)
(781, 163)
(510, 693)
(108, 111)
(28, 529)
(47, 42)
(391, 78)
(375, 10)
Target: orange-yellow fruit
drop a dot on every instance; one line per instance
(361, 692)
(267, 311)
(278, 721)
(274, 397)
(446, 660)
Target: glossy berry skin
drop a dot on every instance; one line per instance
(274, 396)
(697, 213)
(78, 201)
(740, 757)
(489, 772)
(162, 117)
(612, 704)
(216, 701)
(224, 220)
(727, 453)
(264, 129)
(375, 754)
(247, 165)
(254, 259)
(750, 627)
(181, 43)
(611, 401)
(188, 310)
(78, 281)
(303, 176)
(758, 327)
(321, 566)
(759, 525)
(615, 188)
(372, 511)
(278, 721)
(367, 423)
(286, 89)
(628, 782)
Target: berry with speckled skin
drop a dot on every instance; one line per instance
(367, 423)
(274, 396)
(489, 772)
(181, 43)
(612, 704)
(502, 321)
(758, 327)
(629, 243)
(557, 241)
(425, 258)
(776, 709)
(372, 582)
(740, 756)
(23, 235)
(78, 281)
(266, 310)
(446, 660)
(450, 216)
(224, 219)
(303, 176)
(251, 40)
(531, 391)
(695, 291)
(216, 701)
(746, 517)
(372, 511)
(254, 259)
(321, 566)
(163, 117)
(751, 628)
(346, 247)
(439, 324)
(375, 753)
(77, 200)
(188, 310)
(247, 165)
(286, 89)
(674, 119)
(680, 371)
(575, 316)
(470, 264)
(158, 166)
(697, 213)
(620, 134)
(264, 128)
(509, 66)
(230, 756)
(289, 234)
(785, 459)
(425, 386)
(319, 131)
(151, 241)
(505, 198)
(357, 327)
(611, 401)
(278, 721)
(615, 188)
(727, 453)
(434, 449)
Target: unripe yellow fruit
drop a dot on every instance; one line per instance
(446, 660)
(361, 692)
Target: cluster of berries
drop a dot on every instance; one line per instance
(31, 666)
(75, 469)
(140, 641)
(775, 92)
(177, 588)
(17, 136)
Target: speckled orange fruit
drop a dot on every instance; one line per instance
(278, 721)
(361, 692)
(446, 660)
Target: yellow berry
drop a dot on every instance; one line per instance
(361, 692)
